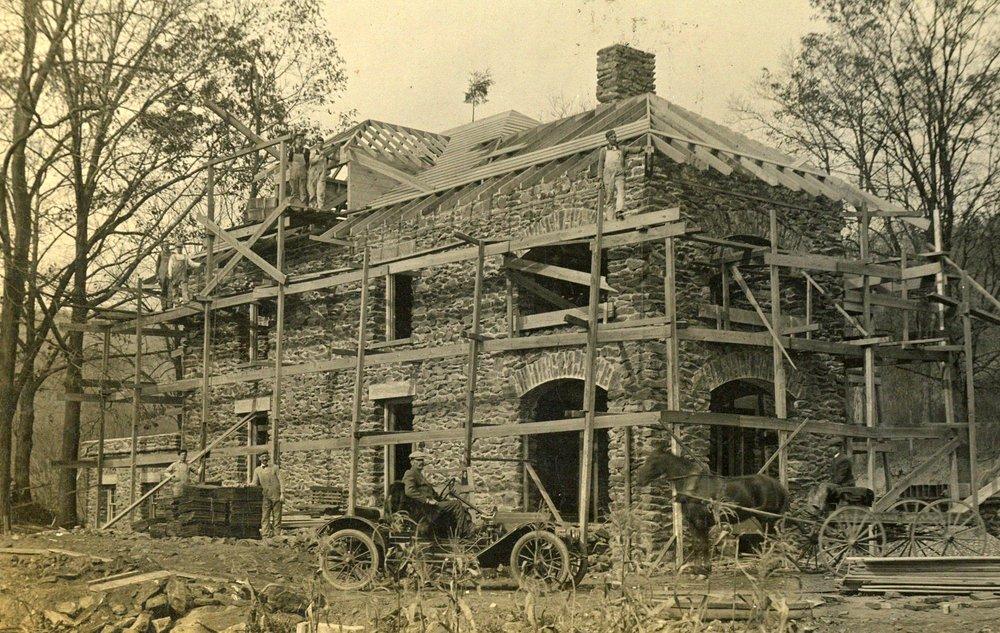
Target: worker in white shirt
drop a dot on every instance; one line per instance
(179, 473)
(611, 167)
(181, 267)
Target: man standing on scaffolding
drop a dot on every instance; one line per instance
(181, 267)
(611, 167)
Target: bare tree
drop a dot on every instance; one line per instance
(17, 188)
(902, 96)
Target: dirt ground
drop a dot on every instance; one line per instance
(35, 588)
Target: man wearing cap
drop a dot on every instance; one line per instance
(445, 512)
(269, 480)
(611, 167)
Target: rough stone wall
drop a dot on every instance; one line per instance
(119, 447)
(318, 405)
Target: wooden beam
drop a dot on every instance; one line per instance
(745, 317)
(968, 356)
(541, 292)
(673, 382)
(836, 304)
(975, 284)
(553, 271)
(261, 263)
(359, 375)
(279, 328)
(738, 277)
(528, 468)
(913, 474)
(830, 264)
(603, 421)
(137, 381)
(780, 393)
(590, 370)
(268, 146)
(554, 318)
(473, 359)
(213, 280)
(820, 428)
(101, 424)
(633, 225)
(367, 160)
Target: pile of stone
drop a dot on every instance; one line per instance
(623, 72)
(173, 604)
(208, 511)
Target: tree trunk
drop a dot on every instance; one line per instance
(17, 258)
(66, 478)
(23, 440)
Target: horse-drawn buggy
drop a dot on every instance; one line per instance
(854, 526)
(397, 540)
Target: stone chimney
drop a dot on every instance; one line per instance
(623, 71)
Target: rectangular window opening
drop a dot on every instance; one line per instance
(399, 417)
(399, 307)
(258, 434)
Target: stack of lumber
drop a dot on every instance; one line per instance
(734, 606)
(208, 511)
(245, 505)
(326, 501)
(924, 575)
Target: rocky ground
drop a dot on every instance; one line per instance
(47, 582)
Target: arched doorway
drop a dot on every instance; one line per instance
(556, 456)
(742, 451)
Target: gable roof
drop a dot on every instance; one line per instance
(488, 155)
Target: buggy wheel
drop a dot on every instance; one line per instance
(907, 532)
(349, 560)
(578, 565)
(849, 531)
(954, 529)
(540, 558)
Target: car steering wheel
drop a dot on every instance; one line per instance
(449, 487)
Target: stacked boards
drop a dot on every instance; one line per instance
(202, 510)
(923, 575)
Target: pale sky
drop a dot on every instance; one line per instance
(409, 62)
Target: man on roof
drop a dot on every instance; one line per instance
(447, 515)
(611, 167)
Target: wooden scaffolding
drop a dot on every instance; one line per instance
(869, 284)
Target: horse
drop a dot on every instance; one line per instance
(695, 484)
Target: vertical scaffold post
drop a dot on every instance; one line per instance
(780, 385)
(279, 344)
(279, 329)
(946, 368)
(904, 294)
(673, 380)
(359, 376)
(970, 389)
(870, 395)
(473, 364)
(206, 311)
(102, 422)
(590, 377)
(136, 394)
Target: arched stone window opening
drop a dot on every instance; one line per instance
(742, 451)
(556, 457)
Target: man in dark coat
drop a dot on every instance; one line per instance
(445, 515)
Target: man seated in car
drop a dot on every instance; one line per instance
(446, 516)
